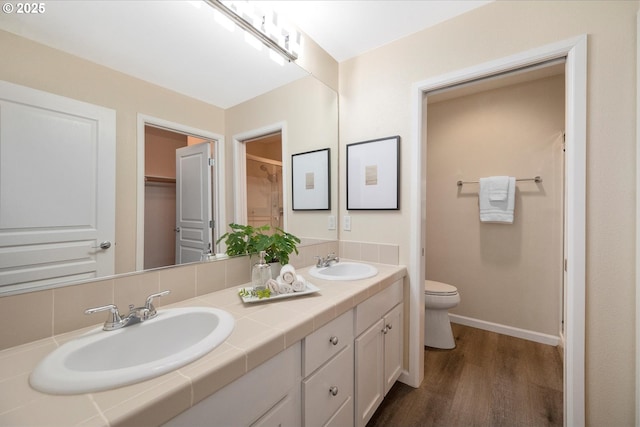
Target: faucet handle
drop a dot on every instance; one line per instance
(113, 321)
(149, 303)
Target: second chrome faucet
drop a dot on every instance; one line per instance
(326, 262)
(136, 314)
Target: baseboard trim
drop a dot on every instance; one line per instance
(506, 330)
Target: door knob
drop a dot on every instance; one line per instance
(104, 245)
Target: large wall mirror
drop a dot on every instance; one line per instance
(171, 61)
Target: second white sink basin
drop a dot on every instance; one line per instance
(100, 360)
(344, 271)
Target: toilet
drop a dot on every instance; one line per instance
(438, 299)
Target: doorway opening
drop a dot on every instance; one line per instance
(509, 275)
(176, 224)
(264, 180)
(575, 52)
(161, 231)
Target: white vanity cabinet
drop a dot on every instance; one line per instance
(378, 349)
(269, 395)
(336, 376)
(327, 363)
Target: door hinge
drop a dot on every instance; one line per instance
(212, 224)
(212, 161)
(565, 264)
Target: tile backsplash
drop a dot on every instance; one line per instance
(40, 314)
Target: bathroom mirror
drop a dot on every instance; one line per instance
(232, 99)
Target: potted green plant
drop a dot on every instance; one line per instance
(248, 240)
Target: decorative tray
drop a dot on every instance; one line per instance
(309, 289)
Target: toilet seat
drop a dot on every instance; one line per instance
(431, 287)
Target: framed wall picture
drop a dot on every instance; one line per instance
(373, 181)
(310, 173)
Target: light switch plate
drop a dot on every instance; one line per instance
(331, 222)
(346, 223)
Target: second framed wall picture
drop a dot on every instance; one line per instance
(373, 181)
(311, 180)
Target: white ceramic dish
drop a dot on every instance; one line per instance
(309, 289)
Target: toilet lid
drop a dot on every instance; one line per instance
(432, 287)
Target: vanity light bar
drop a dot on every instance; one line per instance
(287, 51)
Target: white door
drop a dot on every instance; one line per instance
(193, 202)
(57, 188)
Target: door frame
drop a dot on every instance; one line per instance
(575, 51)
(637, 279)
(240, 170)
(218, 188)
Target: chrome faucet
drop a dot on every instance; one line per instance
(327, 261)
(136, 314)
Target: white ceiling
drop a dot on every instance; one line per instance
(348, 28)
(178, 45)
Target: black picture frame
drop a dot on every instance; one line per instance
(311, 180)
(373, 179)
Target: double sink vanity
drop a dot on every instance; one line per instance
(326, 358)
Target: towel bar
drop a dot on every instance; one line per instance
(535, 178)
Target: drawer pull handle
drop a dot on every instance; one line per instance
(333, 390)
(333, 340)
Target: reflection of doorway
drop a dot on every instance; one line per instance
(160, 194)
(264, 180)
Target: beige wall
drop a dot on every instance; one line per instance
(160, 151)
(309, 110)
(506, 274)
(375, 101)
(39, 67)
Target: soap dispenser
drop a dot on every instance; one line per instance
(260, 273)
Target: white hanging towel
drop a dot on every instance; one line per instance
(497, 199)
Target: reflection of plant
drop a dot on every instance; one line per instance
(248, 240)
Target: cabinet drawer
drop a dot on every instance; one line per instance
(344, 416)
(326, 342)
(320, 404)
(371, 310)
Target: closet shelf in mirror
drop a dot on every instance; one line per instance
(150, 178)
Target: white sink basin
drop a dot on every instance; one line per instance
(344, 271)
(100, 360)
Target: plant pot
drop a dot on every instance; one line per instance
(275, 269)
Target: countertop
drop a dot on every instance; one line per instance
(262, 330)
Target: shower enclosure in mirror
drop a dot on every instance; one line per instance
(264, 181)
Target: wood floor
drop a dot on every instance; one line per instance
(487, 380)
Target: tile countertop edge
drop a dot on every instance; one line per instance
(207, 369)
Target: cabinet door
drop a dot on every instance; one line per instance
(393, 346)
(369, 366)
(285, 414)
(271, 388)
